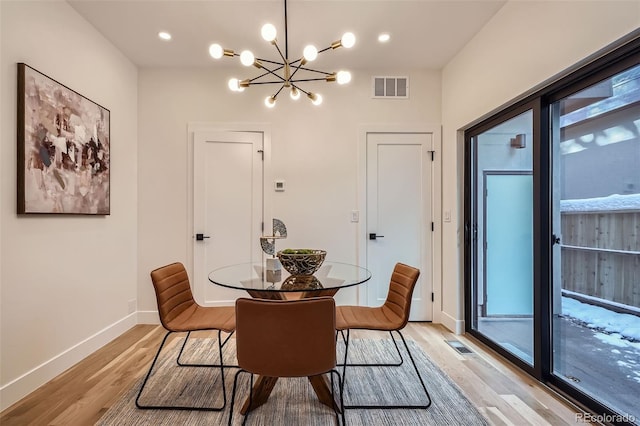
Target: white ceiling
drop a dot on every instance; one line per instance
(424, 33)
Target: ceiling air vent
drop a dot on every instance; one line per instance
(391, 87)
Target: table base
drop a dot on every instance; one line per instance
(264, 385)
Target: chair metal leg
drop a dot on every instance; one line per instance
(393, 364)
(344, 365)
(180, 407)
(399, 406)
(341, 408)
(233, 395)
(415, 367)
(184, 344)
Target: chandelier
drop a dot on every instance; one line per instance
(284, 72)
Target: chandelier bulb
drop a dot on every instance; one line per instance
(348, 40)
(216, 51)
(270, 101)
(343, 77)
(268, 32)
(247, 58)
(295, 93)
(316, 98)
(234, 85)
(310, 53)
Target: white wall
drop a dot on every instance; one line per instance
(65, 281)
(526, 43)
(314, 149)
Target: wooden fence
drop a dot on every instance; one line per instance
(601, 255)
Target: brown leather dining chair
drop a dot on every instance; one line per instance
(285, 338)
(179, 312)
(392, 316)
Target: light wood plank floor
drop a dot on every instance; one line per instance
(82, 394)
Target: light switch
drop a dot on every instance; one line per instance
(447, 215)
(355, 216)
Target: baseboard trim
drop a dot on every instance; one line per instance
(148, 317)
(454, 325)
(20, 387)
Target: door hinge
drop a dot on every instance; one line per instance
(262, 226)
(432, 227)
(261, 154)
(433, 153)
(433, 298)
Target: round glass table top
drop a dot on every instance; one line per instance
(255, 276)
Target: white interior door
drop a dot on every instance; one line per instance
(227, 207)
(399, 212)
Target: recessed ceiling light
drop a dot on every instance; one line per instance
(384, 37)
(164, 35)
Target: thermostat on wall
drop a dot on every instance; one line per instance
(278, 185)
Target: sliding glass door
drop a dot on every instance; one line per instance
(552, 234)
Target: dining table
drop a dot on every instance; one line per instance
(263, 283)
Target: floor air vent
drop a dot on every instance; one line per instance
(459, 347)
(391, 87)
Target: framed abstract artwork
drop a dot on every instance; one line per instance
(63, 149)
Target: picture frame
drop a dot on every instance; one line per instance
(64, 145)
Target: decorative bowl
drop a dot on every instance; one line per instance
(301, 261)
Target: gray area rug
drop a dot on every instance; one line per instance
(293, 401)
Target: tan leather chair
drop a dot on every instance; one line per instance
(392, 316)
(179, 312)
(285, 338)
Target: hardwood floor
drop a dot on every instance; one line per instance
(82, 394)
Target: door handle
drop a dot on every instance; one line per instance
(373, 236)
(200, 237)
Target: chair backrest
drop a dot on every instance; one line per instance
(286, 338)
(403, 281)
(173, 292)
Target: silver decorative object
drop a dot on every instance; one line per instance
(268, 247)
(279, 228)
(268, 242)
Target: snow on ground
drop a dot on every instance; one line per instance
(611, 203)
(615, 326)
